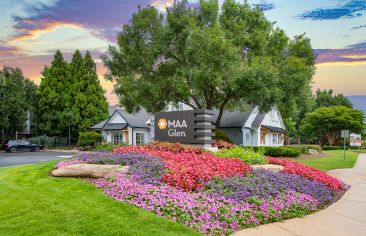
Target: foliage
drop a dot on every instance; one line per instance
(325, 98)
(189, 170)
(70, 94)
(247, 156)
(108, 146)
(266, 183)
(275, 151)
(17, 97)
(174, 147)
(90, 138)
(143, 168)
(304, 148)
(224, 199)
(220, 144)
(70, 206)
(326, 123)
(207, 214)
(309, 173)
(221, 135)
(207, 57)
(334, 147)
(49, 142)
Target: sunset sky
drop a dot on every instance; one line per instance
(31, 31)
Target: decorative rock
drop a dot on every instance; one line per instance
(312, 151)
(89, 170)
(271, 167)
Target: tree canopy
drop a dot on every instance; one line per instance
(326, 98)
(70, 93)
(325, 123)
(17, 97)
(210, 58)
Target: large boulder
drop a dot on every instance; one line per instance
(271, 167)
(83, 170)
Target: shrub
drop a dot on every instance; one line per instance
(108, 146)
(275, 151)
(221, 135)
(334, 147)
(220, 144)
(315, 147)
(247, 156)
(173, 147)
(90, 138)
(302, 148)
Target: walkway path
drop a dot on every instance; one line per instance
(345, 217)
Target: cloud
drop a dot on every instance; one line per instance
(358, 27)
(264, 6)
(352, 54)
(103, 18)
(351, 9)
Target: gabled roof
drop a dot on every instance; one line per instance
(231, 119)
(135, 120)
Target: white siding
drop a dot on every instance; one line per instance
(272, 119)
(117, 119)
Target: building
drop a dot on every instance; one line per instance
(254, 128)
(251, 128)
(122, 126)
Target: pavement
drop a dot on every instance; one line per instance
(22, 158)
(345, 217)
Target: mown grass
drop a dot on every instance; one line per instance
(333, 161)
(33, 203)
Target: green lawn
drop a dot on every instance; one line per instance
(334, 161)
(33, 203)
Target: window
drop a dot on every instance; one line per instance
(140, 138)
(117, 138)
(275, 138)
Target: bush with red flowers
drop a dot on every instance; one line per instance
(220, 144)
(189, 170)
(174, 147)
(309, 173)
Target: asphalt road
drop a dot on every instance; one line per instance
(22, 158)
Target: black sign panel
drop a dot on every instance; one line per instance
(176, 126)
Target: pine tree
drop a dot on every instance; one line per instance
(51, 104)
(90, 105)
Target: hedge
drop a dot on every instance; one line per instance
(275, 151)
(90, 138)
(304, 149)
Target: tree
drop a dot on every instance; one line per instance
(206, 58)
(90, 105)
(71, 94)
(53, 98)
(17, 97)
(325, 123)
(326, 98)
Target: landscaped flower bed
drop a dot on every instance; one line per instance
(213, 195)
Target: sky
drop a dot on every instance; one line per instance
(32, 30)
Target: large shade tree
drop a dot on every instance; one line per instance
(207, 57)
(17, 97)
(325, 123)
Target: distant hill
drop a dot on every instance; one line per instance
(358, 102)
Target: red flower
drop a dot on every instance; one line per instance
(190, 168)
(308, 172)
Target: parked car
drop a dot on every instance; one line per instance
(15, 145)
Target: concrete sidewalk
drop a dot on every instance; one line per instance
(345, 217)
